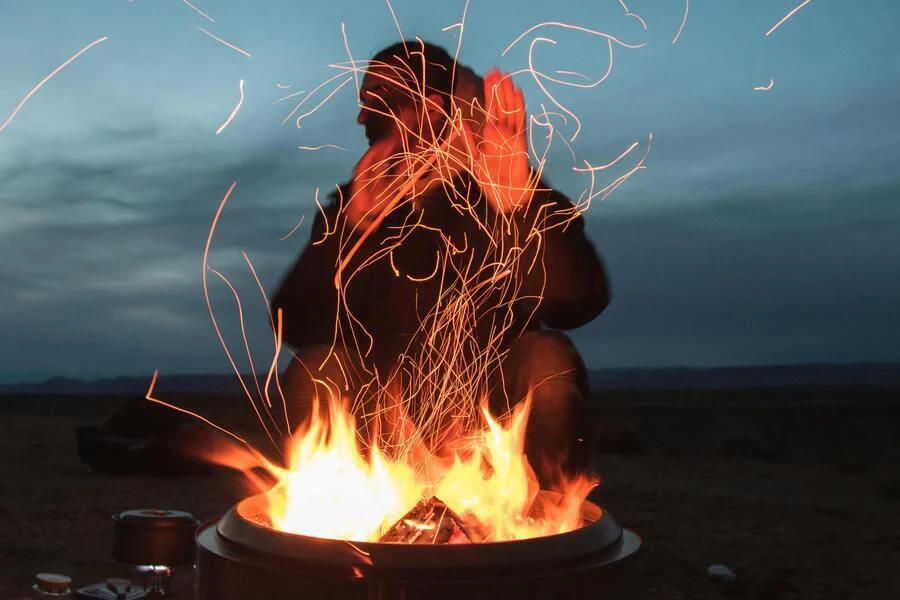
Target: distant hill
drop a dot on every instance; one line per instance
(125, 386)
(763, 376)
(772, 376)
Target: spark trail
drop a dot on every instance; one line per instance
(322, 146)
(237, 107)
(198, 11)
(628, 13)
(223, 42)
(787, 16)
(41, 83)
(687, 8)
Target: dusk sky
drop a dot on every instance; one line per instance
(764, 228)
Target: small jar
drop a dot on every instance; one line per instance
(52, 585)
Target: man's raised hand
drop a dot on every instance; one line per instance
(500, 151)
(373, 179)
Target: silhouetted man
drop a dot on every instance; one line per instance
(397, 262)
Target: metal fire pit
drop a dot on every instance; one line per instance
(239, 559)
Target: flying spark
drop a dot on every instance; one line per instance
(321, 146)
(237, 107)
(541, 77)
(396, 22)
(149, 396)
(293, 229)
(683, 20)
(47, 78)
(203, 14)
(220, 40)
(628, 13)
(787, 16)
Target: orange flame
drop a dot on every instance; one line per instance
(330, 489)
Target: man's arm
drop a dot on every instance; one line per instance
(576, 289)
(307, 295)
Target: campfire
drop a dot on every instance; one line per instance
(343, 521)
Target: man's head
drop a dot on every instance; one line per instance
(406, 92)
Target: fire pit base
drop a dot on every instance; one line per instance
(241, 560)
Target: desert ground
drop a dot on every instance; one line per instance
(797, 492)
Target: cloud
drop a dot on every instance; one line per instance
(100, 259)
(785, 275)
(734, 145)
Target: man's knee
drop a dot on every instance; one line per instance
(321, 362)
(542, 356)
(316, 375)
(546, 366)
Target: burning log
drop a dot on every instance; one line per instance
(432, 522)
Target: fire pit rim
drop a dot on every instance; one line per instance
(599, 534)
